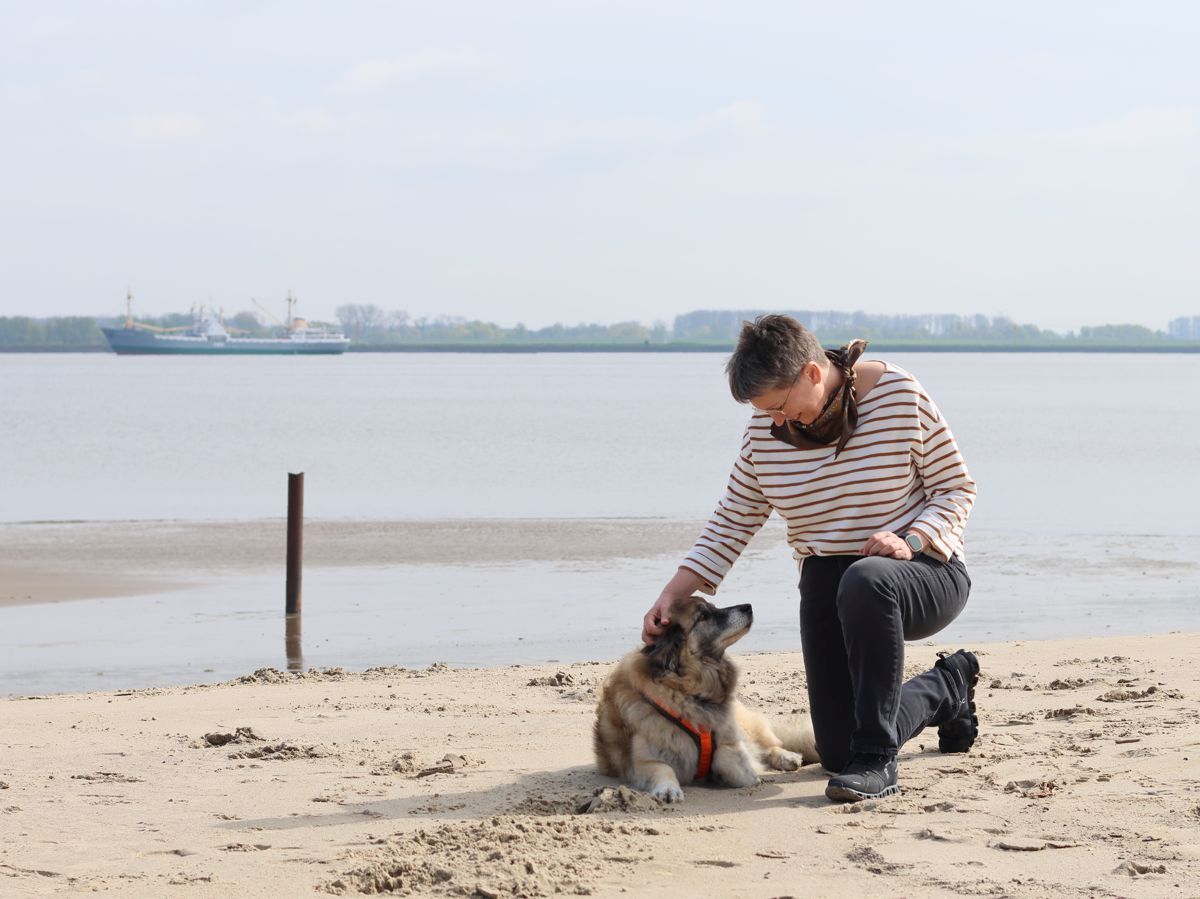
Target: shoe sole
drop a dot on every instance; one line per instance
(845, 794)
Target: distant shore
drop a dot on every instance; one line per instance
(882, 346)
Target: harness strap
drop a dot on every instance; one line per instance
(706, 743)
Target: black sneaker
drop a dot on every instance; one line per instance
(866, 777)
(959, 733)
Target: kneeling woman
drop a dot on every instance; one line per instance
(858, 461)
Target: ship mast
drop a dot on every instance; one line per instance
(291, 301)
(128, 308)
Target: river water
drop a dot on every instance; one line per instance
(1060, 444)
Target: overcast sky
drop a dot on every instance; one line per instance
(602, 161)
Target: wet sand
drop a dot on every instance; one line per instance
(1085, 782)
(56, 561)
(163, 603)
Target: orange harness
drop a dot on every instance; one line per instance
(706, 743)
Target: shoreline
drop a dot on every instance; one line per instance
(883, 346)
(160, 603)
(54, 561)
(161, 551)
(76, 560)
(1083, 782)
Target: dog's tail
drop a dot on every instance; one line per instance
(796, 734)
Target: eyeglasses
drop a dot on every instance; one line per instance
(778, 410)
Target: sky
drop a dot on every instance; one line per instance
(585, 161)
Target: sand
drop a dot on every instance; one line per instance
(448, 782)
(68, 560)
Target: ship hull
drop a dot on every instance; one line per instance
(132, 342)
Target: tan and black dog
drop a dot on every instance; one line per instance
(668, 715)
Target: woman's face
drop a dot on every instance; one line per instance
(801, 401)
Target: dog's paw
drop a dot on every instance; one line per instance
(740, 778)
(667, 793)
(782, 760)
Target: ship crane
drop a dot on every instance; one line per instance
(292, 323)
(229, 328)
(130, 324)
(269, 314)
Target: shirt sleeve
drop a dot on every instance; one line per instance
(741, 512)
(949, 487)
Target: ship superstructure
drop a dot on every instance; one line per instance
(208, 335)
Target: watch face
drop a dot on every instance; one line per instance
(913, 541)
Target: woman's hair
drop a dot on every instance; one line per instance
(771, 352)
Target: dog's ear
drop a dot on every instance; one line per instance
(664, 652)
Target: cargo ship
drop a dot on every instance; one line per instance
(208, 335)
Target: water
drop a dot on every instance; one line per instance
(1060, 444)
(1085, 522)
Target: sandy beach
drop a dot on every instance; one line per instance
(469, 782)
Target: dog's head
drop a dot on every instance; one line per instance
(691, 651)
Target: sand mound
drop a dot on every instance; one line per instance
(406, 763)
(241, 735)
(410, 764)
(268, 676)
(1135, 694)
(275, 676)
(500, 856)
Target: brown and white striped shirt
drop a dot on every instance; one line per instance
(900, 471)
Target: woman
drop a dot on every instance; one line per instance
(857, 460)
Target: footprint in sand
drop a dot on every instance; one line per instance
(281, 752)
(111, 777)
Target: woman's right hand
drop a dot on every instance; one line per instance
(684, 583)
(657, 619)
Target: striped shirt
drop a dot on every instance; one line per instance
(900, 471)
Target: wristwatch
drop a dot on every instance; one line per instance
(914, 543)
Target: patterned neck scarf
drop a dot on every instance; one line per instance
(838, 417)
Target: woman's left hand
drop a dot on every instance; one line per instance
(885, 543)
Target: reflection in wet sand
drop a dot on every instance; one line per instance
(292, 645)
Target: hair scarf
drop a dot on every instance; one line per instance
(838, 417)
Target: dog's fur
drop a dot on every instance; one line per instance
(687, 671)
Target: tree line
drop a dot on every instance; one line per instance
(837, 327)
(372, 327)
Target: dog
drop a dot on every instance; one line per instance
(667, 714)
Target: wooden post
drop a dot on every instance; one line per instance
(295, 533)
